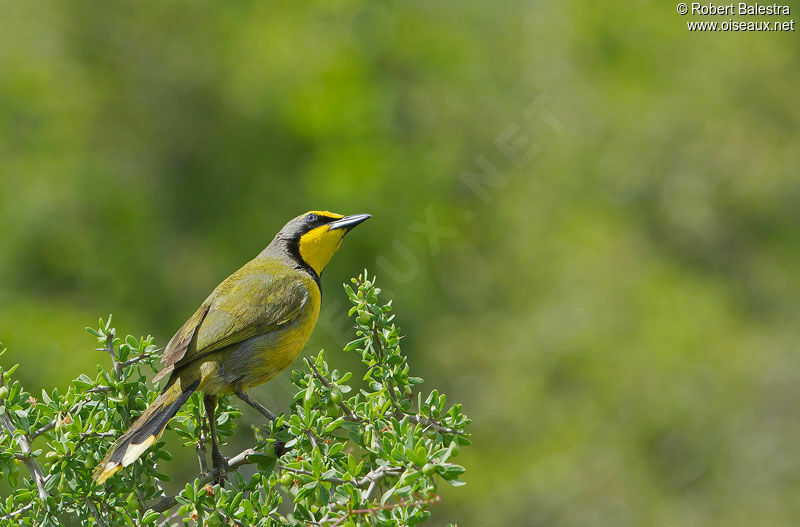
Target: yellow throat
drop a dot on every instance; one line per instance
(318, 245)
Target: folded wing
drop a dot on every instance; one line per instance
(246, 304)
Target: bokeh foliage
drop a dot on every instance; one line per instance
(618, 314)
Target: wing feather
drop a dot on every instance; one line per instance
(248, 303)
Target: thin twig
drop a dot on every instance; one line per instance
(311, 438)
(17, 512)
(399, 412)
(375, 341)
(86, 435)
(349, 415)
(113, 354)
(75, 408)
(140, 357)
(334, 481)
(431, 423)
(378, 474)
(46, 428)
(128, 514)
(168, 519)
(372, 486)
(200, 448)
(25, 445)
(242, 458)
(263, 410)
(95, 514)
(373, 478)
(372, 510)
(235, 462)
(375, 475)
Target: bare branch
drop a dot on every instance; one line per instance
(46, 428)
(94, 512)
(378, 474)
(25, 446)
(263, 410)
(17, 512)
(372, 486)
(140, 357)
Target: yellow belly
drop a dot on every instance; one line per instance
(275, 355)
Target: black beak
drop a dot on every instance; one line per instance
(348, 222)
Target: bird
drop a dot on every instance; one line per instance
(251, 327)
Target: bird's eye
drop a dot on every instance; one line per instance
(311, 218)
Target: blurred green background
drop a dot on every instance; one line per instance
(588, 218)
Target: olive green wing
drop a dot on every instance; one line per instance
(250, 307)
(248, 303)
(180, 342)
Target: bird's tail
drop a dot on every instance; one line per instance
(145, 431)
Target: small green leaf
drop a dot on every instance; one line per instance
(150, 516)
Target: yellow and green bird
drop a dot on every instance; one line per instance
(251, 327)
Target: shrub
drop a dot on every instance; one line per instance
(369, 456)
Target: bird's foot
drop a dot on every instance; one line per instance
(281, 436)
(221, 465)
(280, 448)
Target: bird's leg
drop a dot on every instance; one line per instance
(263, 410)
(219, 461)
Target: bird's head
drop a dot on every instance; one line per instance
(313, 237)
